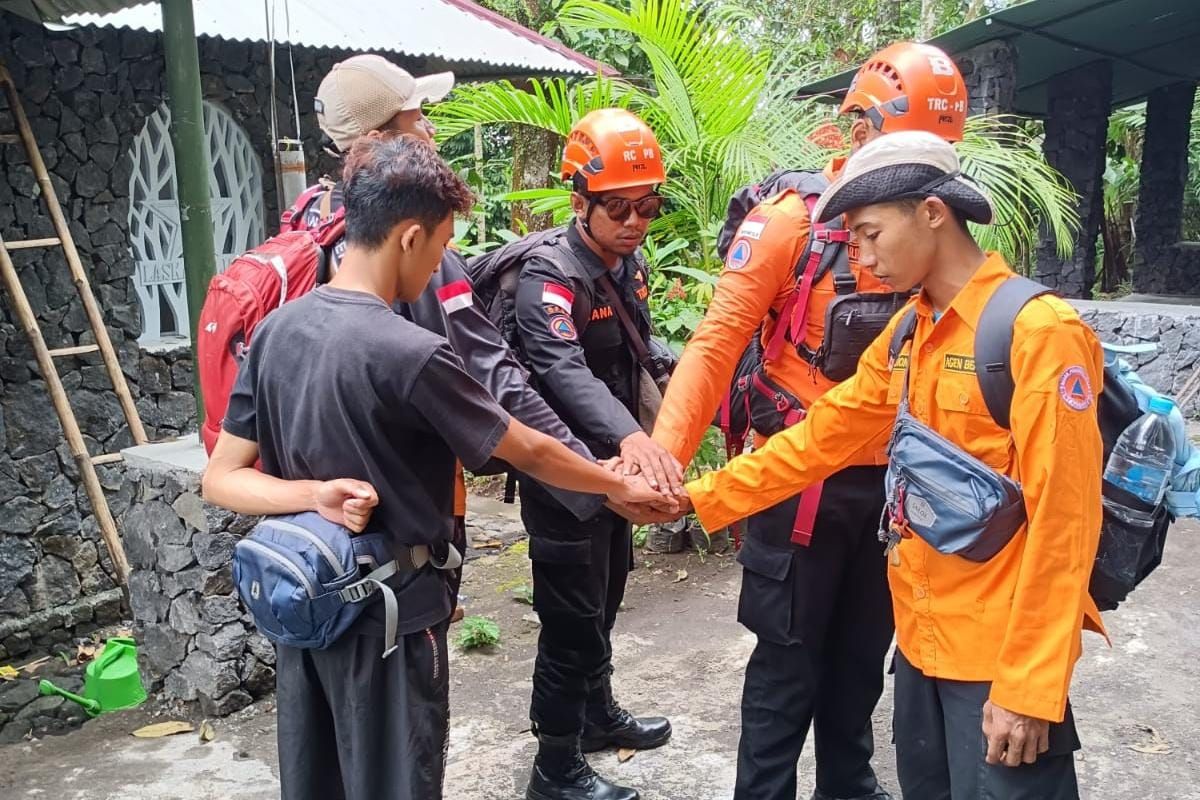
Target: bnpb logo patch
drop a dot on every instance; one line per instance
(739, 254)
(1075, 389)
(562, 327)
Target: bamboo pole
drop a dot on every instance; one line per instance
(192, 170)
(111, 363)
(58, 395)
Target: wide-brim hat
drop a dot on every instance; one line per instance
(900, 166)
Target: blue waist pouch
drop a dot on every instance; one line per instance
(958, 504)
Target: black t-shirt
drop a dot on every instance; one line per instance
(337, 385)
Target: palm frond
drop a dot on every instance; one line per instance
(1026, 191)
(552, 105)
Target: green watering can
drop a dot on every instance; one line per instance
(111, 682)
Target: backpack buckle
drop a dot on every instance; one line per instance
(843, 282)
(357, 592)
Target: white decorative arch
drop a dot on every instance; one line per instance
(235, 188)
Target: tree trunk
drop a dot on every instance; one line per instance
(536, 155)
(1116, 262)
(928, 24)
(975, 10)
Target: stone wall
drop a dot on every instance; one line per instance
(1174, 329)
(197, 642)
(990, 72)
(88, 93)
(1076, 137)
(1163, 264)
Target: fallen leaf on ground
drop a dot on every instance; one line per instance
(681, 575)
(1155, 745)
(625, 753)
(487, 544)
(207, 734)
(85, 652)
(7, 673)
(160, 729)
(35, 665)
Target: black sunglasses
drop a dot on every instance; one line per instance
(618, 209)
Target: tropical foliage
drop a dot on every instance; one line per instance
(725, 115)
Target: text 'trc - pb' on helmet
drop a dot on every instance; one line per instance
(910, 87)
(610, 149)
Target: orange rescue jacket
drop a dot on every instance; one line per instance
(747, 290)
(1014, 620)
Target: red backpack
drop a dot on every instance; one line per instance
(259, 281)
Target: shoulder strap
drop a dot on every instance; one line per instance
(814, 261)
(326, 204)
(993, 344)
(633, 337)
(290, 219)
(902, 335)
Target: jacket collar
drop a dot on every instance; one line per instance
(591, 262)
(969, 302)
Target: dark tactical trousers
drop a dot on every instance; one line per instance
(579, 572)
(354, 726)
(940, 747)
(823, 617)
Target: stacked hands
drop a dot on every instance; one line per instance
(653, 482)
(651, 490)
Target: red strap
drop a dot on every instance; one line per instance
(795, 310)
(289, 220)
(806, 515)
(332, 229)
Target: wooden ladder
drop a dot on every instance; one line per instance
(85, 462)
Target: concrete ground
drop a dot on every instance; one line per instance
(679, 651)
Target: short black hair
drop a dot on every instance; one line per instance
(911, 204)
(391, 178)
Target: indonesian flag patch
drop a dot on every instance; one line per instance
(555, 295)
(455, 296)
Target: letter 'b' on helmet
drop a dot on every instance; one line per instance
(612, 149)
(910, 87)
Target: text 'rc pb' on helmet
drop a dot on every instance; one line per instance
(611, 149)
(910, 87)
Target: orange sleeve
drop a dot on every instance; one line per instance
(774, 236)
(853, 415)
(460, 491)
(1058, 369)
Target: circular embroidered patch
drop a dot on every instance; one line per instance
(562, 327)
(739, 254)
(1075, 389)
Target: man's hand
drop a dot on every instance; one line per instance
(642, 514)
(641, 454)
(346, 501)
(1013, 739)
(635, 490)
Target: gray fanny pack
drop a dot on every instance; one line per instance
(958, 504)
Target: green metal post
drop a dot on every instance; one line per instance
(191, 160)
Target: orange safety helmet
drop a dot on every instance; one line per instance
(609, 149)
(910, 87)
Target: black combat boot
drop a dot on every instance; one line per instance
(608, 725)
(560, 772)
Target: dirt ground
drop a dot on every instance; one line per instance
(679, 651)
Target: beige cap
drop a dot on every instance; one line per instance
(905, 164)
(362, 93)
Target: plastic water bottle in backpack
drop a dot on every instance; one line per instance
(1142, 462)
